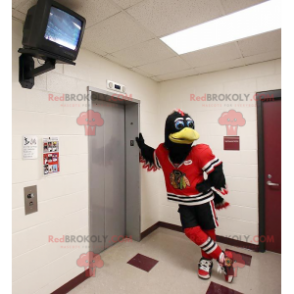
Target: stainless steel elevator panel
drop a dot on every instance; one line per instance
(97, 186)
(114, 146)
(133, 168)
(107, 176)
(114, 171)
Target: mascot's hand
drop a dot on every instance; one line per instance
(220, 202)
(140, 141)
(203, 186)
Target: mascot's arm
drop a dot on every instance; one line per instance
(216, 179)
(147, 155)
(217, 182)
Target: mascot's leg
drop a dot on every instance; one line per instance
(206, 243)
(205, 263)
(211, 250)
(212, 235)
(199, 223)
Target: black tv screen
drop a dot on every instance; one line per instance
(63, 29)
(53, 30)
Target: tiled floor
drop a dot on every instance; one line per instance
(176, 271)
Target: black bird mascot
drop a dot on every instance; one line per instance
(184, 167)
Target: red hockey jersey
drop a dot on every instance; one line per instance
(181, 180)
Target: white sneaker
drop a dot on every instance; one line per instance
(205, 268)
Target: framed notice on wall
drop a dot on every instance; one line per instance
(29, 147)
(51, 155)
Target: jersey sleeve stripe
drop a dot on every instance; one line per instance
(207, 165)
(212, 164)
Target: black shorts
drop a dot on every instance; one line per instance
(202, 215)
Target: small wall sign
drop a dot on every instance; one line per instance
(29, 147)
(231, 143)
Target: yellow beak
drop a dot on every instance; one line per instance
(185, 136)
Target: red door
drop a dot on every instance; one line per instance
(272, 176)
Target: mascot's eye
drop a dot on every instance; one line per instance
(190, 124)
(179, 124)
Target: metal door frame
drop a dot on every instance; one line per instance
(132, 165)
(262, 97)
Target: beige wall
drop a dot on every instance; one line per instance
(40, 267)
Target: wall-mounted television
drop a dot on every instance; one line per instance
(53, 28)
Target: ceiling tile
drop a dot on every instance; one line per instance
(260, 44)
(118, 61)
(18, 15)
(24, 5)
(16, 3)
(126, 3)
(155, 79)
(236, 5)
(93, 10)
(177, 75)
(141, 72)
(114, 34)
(212, 55)
(95, 50)
(143, 53)
(165, 66)
(168, 16)
(221, 66)
(271, 55)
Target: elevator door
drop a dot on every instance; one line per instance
(107, 177)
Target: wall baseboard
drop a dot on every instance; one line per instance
(238, 243)
(149, 230)
(221, 239)
(171, 226)
(73, 283)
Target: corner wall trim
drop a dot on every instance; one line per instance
(221, 239)
(149, 230)
(73, 283)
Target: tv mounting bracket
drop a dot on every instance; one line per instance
(27, 70)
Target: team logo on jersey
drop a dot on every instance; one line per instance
(178, 180)
(188, 162)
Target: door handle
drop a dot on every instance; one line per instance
(272, 184)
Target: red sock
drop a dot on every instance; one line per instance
(204, 241)
(212, 235)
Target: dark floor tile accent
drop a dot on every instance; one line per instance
(244, 257)
(215, 288)
(143, 262)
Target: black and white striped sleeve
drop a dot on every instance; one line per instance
(213, 167)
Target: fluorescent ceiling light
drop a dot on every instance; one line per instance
(252, 21)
